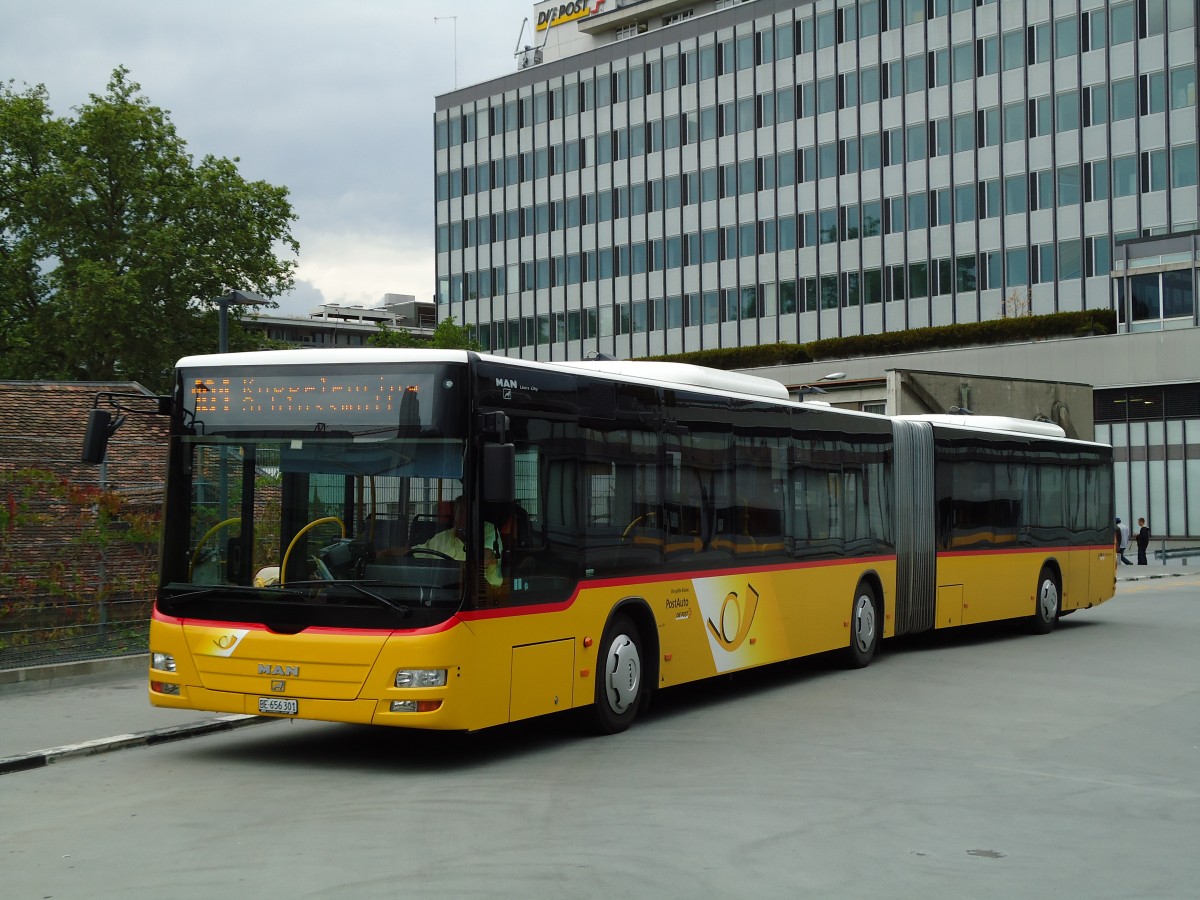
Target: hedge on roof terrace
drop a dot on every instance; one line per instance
(940, 337)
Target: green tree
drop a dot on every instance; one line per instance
(447, 336)
(114, 241)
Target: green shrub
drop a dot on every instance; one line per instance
(891, 343)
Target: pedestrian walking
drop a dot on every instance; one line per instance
(1143, 541)
(1122, 534)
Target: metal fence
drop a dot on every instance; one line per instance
(63, 632)
(78, 552)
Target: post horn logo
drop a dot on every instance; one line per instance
(737, 615)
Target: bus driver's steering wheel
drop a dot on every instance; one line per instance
(438, 553)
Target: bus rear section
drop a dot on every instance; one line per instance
(1007, 522)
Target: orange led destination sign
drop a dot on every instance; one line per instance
(258, 396)
(561, 13)
(358, 400)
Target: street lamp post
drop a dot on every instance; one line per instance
(233, 298)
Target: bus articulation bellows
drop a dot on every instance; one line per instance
(451, 540)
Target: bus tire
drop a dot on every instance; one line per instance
(1047, 602)
(619, 677)
(865, 623)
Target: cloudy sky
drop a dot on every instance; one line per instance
(332, 100)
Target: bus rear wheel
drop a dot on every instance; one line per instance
(864, 627)
(1046, 602)
(618, 677)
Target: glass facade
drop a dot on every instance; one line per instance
(793, 171)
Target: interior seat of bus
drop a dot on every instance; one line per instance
(426, 525)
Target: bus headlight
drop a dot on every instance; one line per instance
(162, 662)
(420, 678)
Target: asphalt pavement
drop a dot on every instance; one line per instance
(58, 712)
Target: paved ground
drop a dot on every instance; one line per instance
(56, 712)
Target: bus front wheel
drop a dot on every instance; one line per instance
(864, 628)
(618, 677)
(1046, 603)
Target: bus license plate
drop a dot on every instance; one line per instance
(278, 706)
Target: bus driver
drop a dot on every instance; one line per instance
(450, 542)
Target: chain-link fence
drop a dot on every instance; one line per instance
(62, 634)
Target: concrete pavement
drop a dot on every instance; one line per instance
(57, 712)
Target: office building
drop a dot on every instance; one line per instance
(673, 176)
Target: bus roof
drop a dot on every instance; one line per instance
(685, 374)
(667, 374)
(992, 423)
(660, 372)
(317, 357)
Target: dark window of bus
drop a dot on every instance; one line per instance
(620, 459)
(539, 532)
(867, 495)
(761, 437)
(1048, 514)
(699, 446)
(816, 489)
(981, 493)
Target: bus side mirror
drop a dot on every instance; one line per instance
(100, 427)
(498, 473)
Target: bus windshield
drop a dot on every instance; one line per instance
(314, 499)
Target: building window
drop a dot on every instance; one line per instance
(1152, 93)
(1093, 30)
(1154, 171)
(1181, 14)
(1183, 87)
(1124, 176)
(1069, 193)
(1066, 37)
(1184, 170)
(1122, 26)
(1012, 50)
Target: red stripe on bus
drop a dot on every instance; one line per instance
(601, 583)
(1008, 551)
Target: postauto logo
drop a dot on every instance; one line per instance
(567, 12)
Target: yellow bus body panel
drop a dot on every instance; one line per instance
(994, 586)
(507, 664)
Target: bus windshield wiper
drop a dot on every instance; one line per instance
(345, 582)
(227, 589)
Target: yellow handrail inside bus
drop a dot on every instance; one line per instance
(204, 540)
(299, 534)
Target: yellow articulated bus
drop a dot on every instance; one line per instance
(451, 540)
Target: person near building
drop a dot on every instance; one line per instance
(1143, 541)
(1122, 533)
